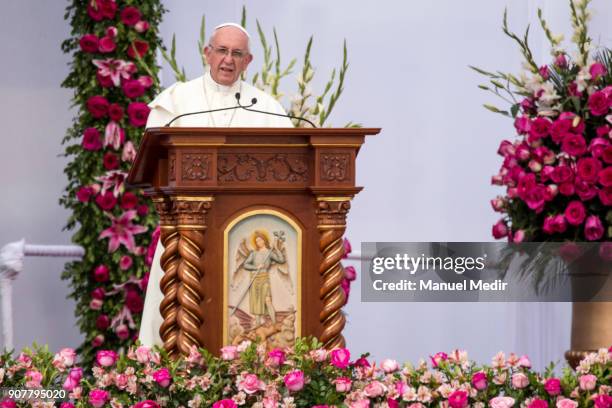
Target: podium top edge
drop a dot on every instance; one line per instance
(268, 131)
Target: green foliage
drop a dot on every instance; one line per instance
(85, 167)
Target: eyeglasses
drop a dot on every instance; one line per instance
(224, 52)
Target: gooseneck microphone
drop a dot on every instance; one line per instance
(254, 101)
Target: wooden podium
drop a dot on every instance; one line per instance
(252, 222)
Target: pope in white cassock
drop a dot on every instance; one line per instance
(228, 55)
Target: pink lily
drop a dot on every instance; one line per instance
(115, 69)
(113, 179)
(122, 231)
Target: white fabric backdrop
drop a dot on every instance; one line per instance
(426, 176)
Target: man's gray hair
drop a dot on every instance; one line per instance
(238, 26)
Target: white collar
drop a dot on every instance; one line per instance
(210, 83)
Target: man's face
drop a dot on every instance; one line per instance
(228, 55)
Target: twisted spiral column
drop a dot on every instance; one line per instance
(168, 308)
(191, 226)
(331, 213)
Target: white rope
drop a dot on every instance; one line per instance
(11, 265)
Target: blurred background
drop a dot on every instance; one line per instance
(426, 176)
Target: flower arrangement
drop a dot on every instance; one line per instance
(557, 173)
(115, 225)
(304, 376)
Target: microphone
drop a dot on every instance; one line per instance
(254, 101)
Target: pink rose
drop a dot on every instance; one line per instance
(597, 70)
(340, 357)
(133, 301)
(276, 357)
(588, 382)
(500, 230)
(319, 355)
(598, 146)
(389, 366)
(138, 113)
(593, 228)
(107, 202)
(251, 384)
(97, 106)
(605, 195)
(98, 293)
(104, 81)
(537, 403)
(96, 304)
(99, 339)
(599, 103)
(125, 262)
(110, 161)
(575, 213)
(226, 403)
(97, 398)
(107, 45)
(8, 403)
(540, 127)
(141, 26)
(91, 139)
(522, 125)
(574, 145)
(33, 378)
(83, 194)
(129, 153)
(162, 377)
(294, 380)
(585, 190)
(458, 399)
(143, 354)
(553, 386)
(130, 15)
(374, 389)
(67, 405)
(128, 201)
(566, 403)
(603, 401)
(106, 358)
(146, 404)
(73, 380)
(501, 402)
(229, 353)
(65, 358)
(520, 380)
(605, 177)
(111, 31)
(100, 273)
(588, 169)
(350, 273)
(89, 43)
(115, 112)
(122, 331)
(133, 88)
(524, 362)
(479, 380)
(98, 10)
(343, 384)
(518, 236)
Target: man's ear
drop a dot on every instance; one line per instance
(206, 51)
(248, 60)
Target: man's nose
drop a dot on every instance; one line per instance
(228, 59)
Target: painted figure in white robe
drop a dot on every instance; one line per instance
(228, 56)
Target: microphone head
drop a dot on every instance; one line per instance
(237, 96)
(254, 101)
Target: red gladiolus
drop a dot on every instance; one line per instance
(138, 46)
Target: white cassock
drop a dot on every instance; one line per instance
(202, 93)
